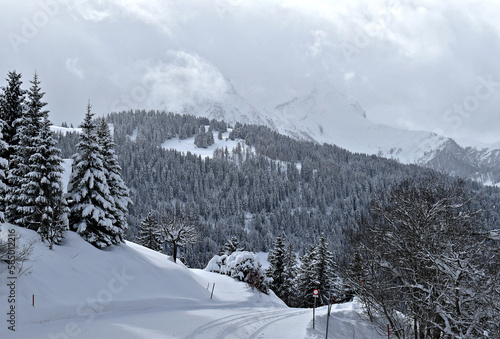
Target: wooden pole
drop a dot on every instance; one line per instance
(314, 310)
(213, 286)
(330, 297)
(33, 300)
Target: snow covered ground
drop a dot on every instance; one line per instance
(129, 291)
(187, 145)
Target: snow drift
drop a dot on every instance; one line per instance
(77, 288)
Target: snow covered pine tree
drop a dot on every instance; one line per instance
(117, 188)
(36, 199)
(276, 269)
(12, 102)
(3, 169)
(11, 110)
(150, 234)
(232, 245)
(92, 208)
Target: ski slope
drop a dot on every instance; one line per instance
(129, 291)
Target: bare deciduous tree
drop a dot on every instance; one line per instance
(178, 231)
(425, 258)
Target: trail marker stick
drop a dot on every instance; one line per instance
(314, 310)
(330, 297)
(213, 286)
(315, 295)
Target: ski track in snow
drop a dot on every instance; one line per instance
(226, 326)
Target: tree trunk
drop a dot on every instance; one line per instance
(175, 251)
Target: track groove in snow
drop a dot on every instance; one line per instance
(287, 316)
(235, 324)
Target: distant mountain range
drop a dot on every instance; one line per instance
(325, 115)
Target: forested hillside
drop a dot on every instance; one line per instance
(267, 185)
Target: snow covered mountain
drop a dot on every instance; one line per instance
(231, 108)
(326, 115)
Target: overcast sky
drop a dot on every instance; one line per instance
(425, 65)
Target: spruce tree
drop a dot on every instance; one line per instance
(306, 280)
(117, 187)
(289, 274)
(276, 270)
(50, 209)
(3, 169)
(232, 245)
(323, 268)
(38, 201)
(210, 137)
(20, 202)
(92, 207)
(200, 138)
(355, 275)
(150, 234)
(12, 106)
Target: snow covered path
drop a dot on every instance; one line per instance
(255, 323)
(214, 323)
(226, 323)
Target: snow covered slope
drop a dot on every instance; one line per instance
(129, 291)
(231, 108)
(187, 145)
(64, 130)
(328, 116)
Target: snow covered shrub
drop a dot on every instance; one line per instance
(241, 265)
(14, 251)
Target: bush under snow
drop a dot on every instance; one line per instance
(241, 265)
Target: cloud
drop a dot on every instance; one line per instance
(184, 79)
(406, 61)
(157, 13)
(92, 10)
(72, 67)
(320, 40)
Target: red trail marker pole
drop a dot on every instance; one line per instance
(33, 300)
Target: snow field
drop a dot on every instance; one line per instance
(187, 145)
